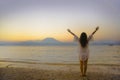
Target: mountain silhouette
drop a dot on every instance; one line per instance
(50, 40)
(46, 41)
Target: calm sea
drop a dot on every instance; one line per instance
(103, 54)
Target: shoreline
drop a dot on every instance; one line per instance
(23, 71)
(45, 63)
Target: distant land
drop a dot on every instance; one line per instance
(52, 41)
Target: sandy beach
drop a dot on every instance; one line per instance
(25, 71)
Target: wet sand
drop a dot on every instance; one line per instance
(23, 71)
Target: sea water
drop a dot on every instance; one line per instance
(99, 54)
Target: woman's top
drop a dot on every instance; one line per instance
(83, 52)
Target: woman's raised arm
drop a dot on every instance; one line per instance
(72, 33)
(93, 33)
(95, 30)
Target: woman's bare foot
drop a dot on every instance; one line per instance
(84, 75)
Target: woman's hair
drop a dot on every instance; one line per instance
(83, 39)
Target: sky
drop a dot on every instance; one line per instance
(22, 20)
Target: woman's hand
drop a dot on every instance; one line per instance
(68, 30)
(97, 28)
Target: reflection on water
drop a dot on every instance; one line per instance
(59, 54)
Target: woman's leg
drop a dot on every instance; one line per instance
(85, 67)
(81, 67)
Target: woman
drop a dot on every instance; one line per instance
(84, 50)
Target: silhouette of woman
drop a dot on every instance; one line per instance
(84, 49)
